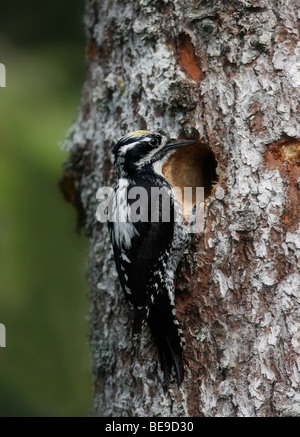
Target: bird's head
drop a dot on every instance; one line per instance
(139, 150)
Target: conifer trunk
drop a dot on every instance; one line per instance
(227, 73)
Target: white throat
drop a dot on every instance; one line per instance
(158, 165)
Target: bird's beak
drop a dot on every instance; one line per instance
(175, 144)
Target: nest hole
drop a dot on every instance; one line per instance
(193, 166)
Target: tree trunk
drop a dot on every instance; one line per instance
(227, 73)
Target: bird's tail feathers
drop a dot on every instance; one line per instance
(168, 337)
(138, 318)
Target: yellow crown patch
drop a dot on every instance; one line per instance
(137, 132)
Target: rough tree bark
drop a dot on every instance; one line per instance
(228, 73)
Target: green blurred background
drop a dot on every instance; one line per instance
(45, 368)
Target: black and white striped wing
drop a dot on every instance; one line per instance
(139, 266)
(141, 250)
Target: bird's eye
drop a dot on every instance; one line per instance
(153, 142)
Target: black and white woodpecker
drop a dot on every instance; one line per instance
(147, 252)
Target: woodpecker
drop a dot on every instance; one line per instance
(146, 251)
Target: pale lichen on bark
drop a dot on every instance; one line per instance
(228, 74)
